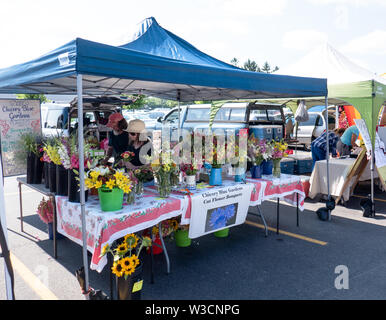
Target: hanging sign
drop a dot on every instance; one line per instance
(219, 208)
(17, 116)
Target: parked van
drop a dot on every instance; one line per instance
(62, 119)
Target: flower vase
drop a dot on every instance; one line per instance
(73, 188)
(239, 174)
(61, 181)
(130, 198)
(276, 168)
(50, 230)
(46, 175)
(30, 167)
(130, 288)
(52, 177)
(139, 189)
(182, 238)
(267, 167)
(190, 182)
(38, 167)
(110, 199)
(215, 177)
(164, 185)
(256, 171)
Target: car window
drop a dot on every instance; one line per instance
(258, 115)
(274, 115)
(56, 119)
(319, 121)
(172, 117)
(311, 120)
(238, 114)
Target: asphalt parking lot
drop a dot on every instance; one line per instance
(302, 262)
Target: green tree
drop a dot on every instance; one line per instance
(267, 68)
(41, 97)
(251, 65)
(139, 101)
(235, 62)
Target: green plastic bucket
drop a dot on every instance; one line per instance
(110, 200)
(222, 233)
(182, 238)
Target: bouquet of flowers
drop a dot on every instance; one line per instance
(51, 148)
(107, 177)
(216, 156)
(258, 150)
(126, 254)
(127, 156)
(279, 149)
(46, 210)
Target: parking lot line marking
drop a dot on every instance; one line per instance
(363, 197)
(290, 234)
(33, 281)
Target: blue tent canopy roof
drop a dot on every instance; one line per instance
(109, 70)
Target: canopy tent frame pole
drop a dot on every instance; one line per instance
(79, 86)
(327, 157)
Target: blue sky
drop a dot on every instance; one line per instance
(277, 31)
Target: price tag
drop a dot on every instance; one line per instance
(137, 286)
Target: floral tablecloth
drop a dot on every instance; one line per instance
(106, 227)
(286, 187)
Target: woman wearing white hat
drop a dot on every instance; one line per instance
(139, 143)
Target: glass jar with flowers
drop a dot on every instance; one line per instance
(142, 175)
(127, 266)
(279, 151)
(111, 184)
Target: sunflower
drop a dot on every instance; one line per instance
(155, 230)
(135, 260)
(174, 224)
(118, 268)
(110, 184)
(128, 263)
(131, 240)
(129, 270)
(122, 248)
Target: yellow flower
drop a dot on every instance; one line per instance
(110, 184)
(122, 248)
(135, 260)
(146, 241)
(174, 224)
(154, 230)
(129, 270)
(128, 263)
(94, 174)
(89, 184)
(98, 184)
(119, 175)
(105, 249)
(117, 268)
(131, 240)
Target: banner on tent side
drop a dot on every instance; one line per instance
(219, 208)
(17, 116)
(361, 125)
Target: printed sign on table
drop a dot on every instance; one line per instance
(219, 208)
(17, 116)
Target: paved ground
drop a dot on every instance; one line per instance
(298, 264)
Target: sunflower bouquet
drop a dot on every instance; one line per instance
(107, 177)
(126, 253)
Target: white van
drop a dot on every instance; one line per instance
(309, 130)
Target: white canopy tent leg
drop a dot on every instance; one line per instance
(327, 157)
(79, 86)
(8, 279)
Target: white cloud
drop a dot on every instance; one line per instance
(255, 7)
(356, 3)
(303, 39)
(371, 43)
(341, 17)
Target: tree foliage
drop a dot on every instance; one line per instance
(251, 65)
(41, 97)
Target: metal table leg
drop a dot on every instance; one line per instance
(152, 262)
(297, 209)
(54, 225)
(21, 208)
(277, 217)
(164, 248)
(264, 222)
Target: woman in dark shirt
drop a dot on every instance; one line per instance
(118, 138)
(139, 144)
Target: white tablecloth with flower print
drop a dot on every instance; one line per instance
(106, 227)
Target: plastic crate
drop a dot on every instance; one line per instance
(287, 166)
(303, 166)
(261, 132)
(277, 132)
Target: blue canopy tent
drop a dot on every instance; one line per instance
(170, 69)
